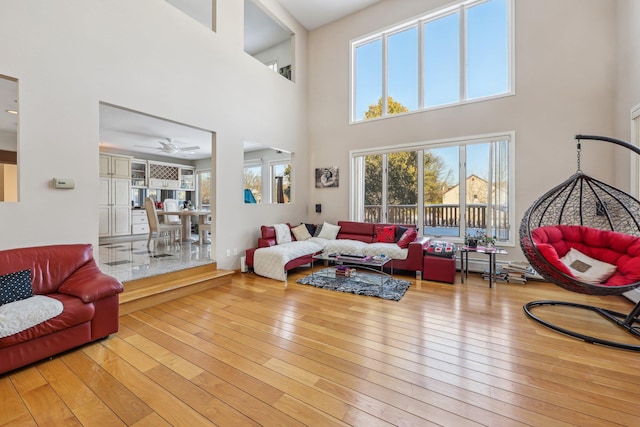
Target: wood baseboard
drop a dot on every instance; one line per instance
(150, 291)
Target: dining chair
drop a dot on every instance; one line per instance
(204, 228)
(171, 205)
(156, 228)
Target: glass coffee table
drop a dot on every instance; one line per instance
(372, 264)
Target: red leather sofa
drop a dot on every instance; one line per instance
(69, 274)
(362, 231)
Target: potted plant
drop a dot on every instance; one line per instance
(470, 241)
(480, 238)
(485, 240)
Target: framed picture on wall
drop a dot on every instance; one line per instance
(327, 177)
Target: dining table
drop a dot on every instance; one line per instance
(185, 219)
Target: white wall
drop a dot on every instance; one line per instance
(627, 93)
(565, 71)
(627, 65)
(69, 55)
(8, 140)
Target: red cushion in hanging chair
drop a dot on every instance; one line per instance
(621, 250)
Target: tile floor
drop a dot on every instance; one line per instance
(130, 259)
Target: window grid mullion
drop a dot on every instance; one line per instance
(420, 216)
(463, 53)
(421, 65)
(385, 76)
(491, 202)
(385, 181)
(463, 189)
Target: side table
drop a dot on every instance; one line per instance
(490, 252)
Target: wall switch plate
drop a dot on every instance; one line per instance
(228, 252)
(235, 251)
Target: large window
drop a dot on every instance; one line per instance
(447, 188)
(454, 55)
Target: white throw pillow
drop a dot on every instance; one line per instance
(329, 231)
(587, 269)
(300, 232)
(283, 233)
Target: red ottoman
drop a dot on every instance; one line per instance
(439, 269)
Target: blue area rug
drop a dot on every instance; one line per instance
(362, 284)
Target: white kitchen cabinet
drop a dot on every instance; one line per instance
(187, 178)
(164, 176)
(138, 174)
(115, 166)
(114, 196)
(139, 222)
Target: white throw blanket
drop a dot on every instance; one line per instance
(21, 315)
(270, 262)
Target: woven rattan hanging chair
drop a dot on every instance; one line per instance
(606, 217)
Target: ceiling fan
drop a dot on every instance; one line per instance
(169, 146)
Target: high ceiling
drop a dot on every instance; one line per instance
(316, 13)
(122, 129)
(126, 130)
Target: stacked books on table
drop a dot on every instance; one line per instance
(498, 276)
(517, 272)
(343, 270)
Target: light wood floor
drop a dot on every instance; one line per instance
(254, 353)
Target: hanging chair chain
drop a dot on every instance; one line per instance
(578, 157)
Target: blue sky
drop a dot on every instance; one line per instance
(486, 59)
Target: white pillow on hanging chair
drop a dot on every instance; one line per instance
(587, 269)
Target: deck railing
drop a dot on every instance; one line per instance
(437, 215)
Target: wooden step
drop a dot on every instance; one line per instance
(149, 291)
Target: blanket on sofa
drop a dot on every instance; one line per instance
(21, 315)
(270, 262)
(345, 246)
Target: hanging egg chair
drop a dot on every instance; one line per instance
(584, 235)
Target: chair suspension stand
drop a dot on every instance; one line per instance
(625, 321)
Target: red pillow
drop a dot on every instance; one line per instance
(408, 237)
(385, 233)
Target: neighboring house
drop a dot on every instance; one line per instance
(477, 189)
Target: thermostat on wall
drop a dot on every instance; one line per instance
(67, 183)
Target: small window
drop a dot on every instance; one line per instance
(281, 179)
(203, 186)
(253, 183)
